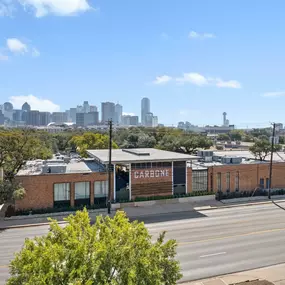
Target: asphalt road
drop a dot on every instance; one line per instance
(211, 243)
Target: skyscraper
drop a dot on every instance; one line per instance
(145, 108)
(118, 113)
(33, 118)
(26, 107)
(108, 112)
(86, 107)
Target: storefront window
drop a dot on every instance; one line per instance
(200, 180)
(61, 194)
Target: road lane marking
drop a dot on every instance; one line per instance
(4, 266)
(232, 236)
(213, 254)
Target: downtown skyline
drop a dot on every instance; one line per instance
(193, 63)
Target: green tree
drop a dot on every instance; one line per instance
(90, 141)
(236, 135)
(223, 137)
(17, 147)
(262, 148)
(112, 251)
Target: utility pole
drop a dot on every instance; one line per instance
(110, 123)
(271, 160)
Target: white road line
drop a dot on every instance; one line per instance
(213, 254)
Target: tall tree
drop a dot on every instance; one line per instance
(17, 147)
(112, 251)
(262, 148)
(90, 141)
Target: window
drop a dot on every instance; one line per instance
(267, 183)
(199, 180)
(219, 182)
(261, 182)
(82, 190)
(228, 180)
(100, 189)
(61, 195)
(237, 182)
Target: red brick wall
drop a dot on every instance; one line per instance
(249, 175)
(39, 188)
(189, 179)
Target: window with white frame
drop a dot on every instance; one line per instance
(61, 192)
(100, 189)
(82, 190)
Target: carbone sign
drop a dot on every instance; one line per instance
(151, 173)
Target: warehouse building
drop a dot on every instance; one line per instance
(75, 182)
(137, 173)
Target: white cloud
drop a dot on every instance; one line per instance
(162, 79)
(56, 7)
(195, 35)
(227, 84)
(36, 103)
(194, 78)
(274, 94)
(16, 46)
(128, 114)
(199, 80)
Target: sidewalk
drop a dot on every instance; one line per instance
(274, 274)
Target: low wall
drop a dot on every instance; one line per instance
(193, 200)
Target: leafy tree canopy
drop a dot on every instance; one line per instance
(112, 251)
(91, 141)
(262, 148)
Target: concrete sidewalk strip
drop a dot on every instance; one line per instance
(274, 274)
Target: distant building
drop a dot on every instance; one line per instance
(118, 114)
(154, 121)
(59, 117)
(44, 118)
(226, 122)
(87, 119)
(17, 116)
(26, 107)
(7, 110)
(128, 120)
(93, 108)
(2, 118)
(86, 107)
(108, 112)
(33, 118)
(72, 114)
(148, 120)
(145, 109)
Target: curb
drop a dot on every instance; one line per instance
(29, 226)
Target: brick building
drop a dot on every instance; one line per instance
(139, 173)
(136, 172)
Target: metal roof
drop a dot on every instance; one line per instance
(138, 155)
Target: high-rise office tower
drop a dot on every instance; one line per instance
(33, 118)
(2, 119)
(59, 117)
(93, 108)
(44, 118)
(26, 107)
(8, 110)
(118, 113)
(72, 114)
(108, 112)
(145, 109)
(86, 107)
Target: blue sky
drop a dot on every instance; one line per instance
(193, 59)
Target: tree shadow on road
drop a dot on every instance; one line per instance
(158, 218)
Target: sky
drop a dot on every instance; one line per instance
(193, 59)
